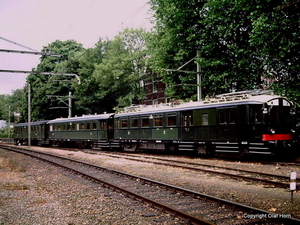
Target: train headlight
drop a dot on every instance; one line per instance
(272, 131)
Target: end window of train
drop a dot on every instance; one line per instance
(280, 111)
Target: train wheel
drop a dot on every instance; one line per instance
(88, 145)
(205, 149)
(59, 144)
(172, 148)
(130, 147)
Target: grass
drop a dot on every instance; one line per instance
(10, 165)
(13, 187)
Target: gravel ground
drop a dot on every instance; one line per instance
(33, 192)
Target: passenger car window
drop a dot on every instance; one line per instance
(204, 119)
(145, 121)
(158, 120)
(134, 121)
(171, 120)
(124, 123)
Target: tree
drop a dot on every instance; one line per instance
(276, 36)
(174, 43)
(43, 85)
(89, 92)
(120, 73)
(11, 105)
(240, 42)
(227, 59)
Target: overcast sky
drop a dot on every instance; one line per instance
(37, 23)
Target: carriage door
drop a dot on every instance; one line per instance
(187, 125)
(227, 124)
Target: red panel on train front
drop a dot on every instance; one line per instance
(276, 137)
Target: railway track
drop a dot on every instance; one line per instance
(271, 180)
(194, 207)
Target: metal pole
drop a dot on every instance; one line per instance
(8, 121)
(199, 89)
(29, 116)
(70, 104)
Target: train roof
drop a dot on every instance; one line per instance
(230, 99)
(32, 123)
(81, 118)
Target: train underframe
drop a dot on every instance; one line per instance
(211, 148)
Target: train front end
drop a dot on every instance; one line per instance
(278, 117)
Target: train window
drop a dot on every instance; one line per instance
(117, 124)
(204, 119)
(82, 126)
(221, 116)
(73, 127)
(145, 121)
(158, 120)
(94, 126)
(256, 115)
(231, 116)
(187, 118)
(134, 121)
(171, 120)
(103, 125)
(88, 126)
(124, 123)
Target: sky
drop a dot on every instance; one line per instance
(37, 23)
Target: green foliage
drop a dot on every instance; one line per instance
(122, 68)
(11, 105)
(110, 74)
(88, 93)
(240, 42)
(44, 85)
(175, 42)
(242, 45)
(276, 35)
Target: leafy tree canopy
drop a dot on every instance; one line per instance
(44, 85)
(242, 44)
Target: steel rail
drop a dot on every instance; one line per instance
(190, 218)
(159, 205)
(259, 180)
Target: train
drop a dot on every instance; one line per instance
(245, 122)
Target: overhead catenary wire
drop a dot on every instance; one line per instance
(15, 43)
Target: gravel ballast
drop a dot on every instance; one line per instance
(33, 192)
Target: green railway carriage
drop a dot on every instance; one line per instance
(240, 122)
(86, 130)
(38, 134)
